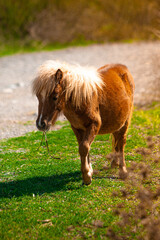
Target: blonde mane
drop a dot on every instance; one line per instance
(80, 83)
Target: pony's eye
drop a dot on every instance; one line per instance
(55, 98)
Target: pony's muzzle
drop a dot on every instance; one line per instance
(41, 125)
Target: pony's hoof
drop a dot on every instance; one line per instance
(123, 174)
(86, 183)
(87, 180)
(114, 164)
(87, 176)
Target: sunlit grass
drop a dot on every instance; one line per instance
(43, 198)
(20, 47)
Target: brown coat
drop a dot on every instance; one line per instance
(108, 110)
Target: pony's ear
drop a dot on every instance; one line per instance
(58, 76)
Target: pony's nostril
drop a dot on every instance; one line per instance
(40, 125)
(43, 124)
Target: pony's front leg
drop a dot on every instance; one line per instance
(84, 147)
(86, 167)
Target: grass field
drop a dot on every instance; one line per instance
(43, 198)
(19, 47)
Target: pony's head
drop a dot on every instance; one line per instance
(57, 83)
(48, 89)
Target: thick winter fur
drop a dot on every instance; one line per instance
(94, 101)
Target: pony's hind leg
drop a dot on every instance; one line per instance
(119, 141)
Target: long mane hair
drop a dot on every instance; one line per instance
(79, 83)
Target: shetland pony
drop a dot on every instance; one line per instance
(94, 102)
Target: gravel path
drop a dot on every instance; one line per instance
(17, 105)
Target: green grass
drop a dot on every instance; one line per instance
(43, 198)
(19, 47)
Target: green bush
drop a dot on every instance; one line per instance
(62, 21)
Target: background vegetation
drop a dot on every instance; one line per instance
(37, 23)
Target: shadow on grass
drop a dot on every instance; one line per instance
(40, 185)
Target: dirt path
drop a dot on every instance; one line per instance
(17, 105)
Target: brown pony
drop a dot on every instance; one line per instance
(94, 102)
